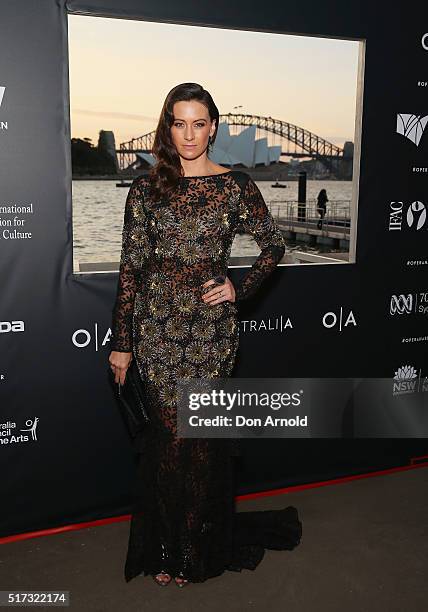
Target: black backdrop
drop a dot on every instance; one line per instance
(79, 465)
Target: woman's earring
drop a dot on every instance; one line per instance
(210, 146)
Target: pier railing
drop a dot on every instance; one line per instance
(292, 213)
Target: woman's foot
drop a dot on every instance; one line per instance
(180, 581)
(163, 579)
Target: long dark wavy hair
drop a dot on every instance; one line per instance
(165, 174)
(322, 196)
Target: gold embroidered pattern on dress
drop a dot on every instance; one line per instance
(169, 249)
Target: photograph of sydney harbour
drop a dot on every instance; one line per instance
(289, 115)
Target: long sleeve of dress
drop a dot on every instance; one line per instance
(184, 519)
(256, 219)
(133, 240)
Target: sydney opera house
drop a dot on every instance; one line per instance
(229, 150)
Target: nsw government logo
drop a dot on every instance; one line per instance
(11, 434)
(409, 380)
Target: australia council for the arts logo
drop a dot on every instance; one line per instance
(9, 432)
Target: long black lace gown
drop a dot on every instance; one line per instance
(184, 520)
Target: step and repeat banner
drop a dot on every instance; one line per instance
(65, 455)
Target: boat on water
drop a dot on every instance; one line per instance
(123, 184)
(277, 184)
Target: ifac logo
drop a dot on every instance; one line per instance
(415, 217)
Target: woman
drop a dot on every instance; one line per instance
(176, 314)
(322, 200)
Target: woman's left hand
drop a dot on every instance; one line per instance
(219, 293)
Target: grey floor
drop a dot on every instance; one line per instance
(364, 548)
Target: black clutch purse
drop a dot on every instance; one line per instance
(131, 399)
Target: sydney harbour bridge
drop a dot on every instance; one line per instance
(295, 141)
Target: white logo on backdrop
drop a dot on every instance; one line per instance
(406, 372)
(401, 304)
(32, 426)
(3, 124)
(411, 126)
(407, 379)
(338, 320)
(424, 41)
(9, 434)
(277, 324)
(416, 303)
(81, 338)
(416, 210)
(416, 215)
(11, 326)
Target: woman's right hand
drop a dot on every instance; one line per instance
(119, 363)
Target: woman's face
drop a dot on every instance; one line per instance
(191, 128)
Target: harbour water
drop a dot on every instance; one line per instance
(98, 217)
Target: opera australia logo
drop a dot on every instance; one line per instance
(339, 320)
(408, 380)
(411, 126)
(414, 218)
(82, 338)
